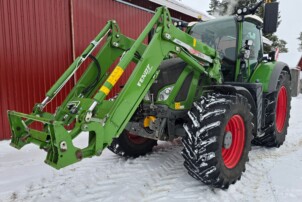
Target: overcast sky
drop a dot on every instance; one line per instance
(289, 29)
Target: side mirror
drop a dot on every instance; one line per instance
(271, 12)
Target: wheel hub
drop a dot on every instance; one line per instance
(234, 140)
(228, 139)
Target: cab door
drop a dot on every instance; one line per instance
(251, 31)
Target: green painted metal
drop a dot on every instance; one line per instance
(187, 103)
(106, 119)
(262, 74)
(239, 47)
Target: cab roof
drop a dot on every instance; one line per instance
(254, 18)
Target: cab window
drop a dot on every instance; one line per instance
(251, 32)
(220, 34)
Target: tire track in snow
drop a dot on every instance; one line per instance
(159, 176)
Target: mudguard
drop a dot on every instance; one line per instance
(267, 74)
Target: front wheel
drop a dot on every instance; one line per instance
(130, 145)
(218, 139)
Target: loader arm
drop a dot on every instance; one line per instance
(86, 105)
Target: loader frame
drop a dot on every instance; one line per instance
(88, 109)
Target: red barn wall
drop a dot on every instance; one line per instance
(35, 49)
(40, 38)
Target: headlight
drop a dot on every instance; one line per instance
(165, 93)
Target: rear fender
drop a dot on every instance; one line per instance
(267, 74)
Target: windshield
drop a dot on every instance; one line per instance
(220, 34)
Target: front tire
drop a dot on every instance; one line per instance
(129, 145)
(218, 139)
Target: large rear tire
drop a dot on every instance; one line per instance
(218, 139)
(129, 145)
(277, 106)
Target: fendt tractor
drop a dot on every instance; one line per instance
(209, 84)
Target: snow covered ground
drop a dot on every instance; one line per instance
(271, 175)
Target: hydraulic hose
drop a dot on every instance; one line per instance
(92, 85)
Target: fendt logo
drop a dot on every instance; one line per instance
(145, 73)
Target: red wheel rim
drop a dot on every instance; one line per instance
(232, 155)
(281, 109)
(136, 139)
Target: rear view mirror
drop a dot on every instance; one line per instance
(271, 12)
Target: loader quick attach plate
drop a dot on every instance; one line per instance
(55, 139)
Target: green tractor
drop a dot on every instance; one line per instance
(211, 86)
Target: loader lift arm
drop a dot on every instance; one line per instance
(90, 112)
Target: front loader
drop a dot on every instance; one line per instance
(210, 85)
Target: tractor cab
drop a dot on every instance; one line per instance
(229, 39)
(238, 39)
